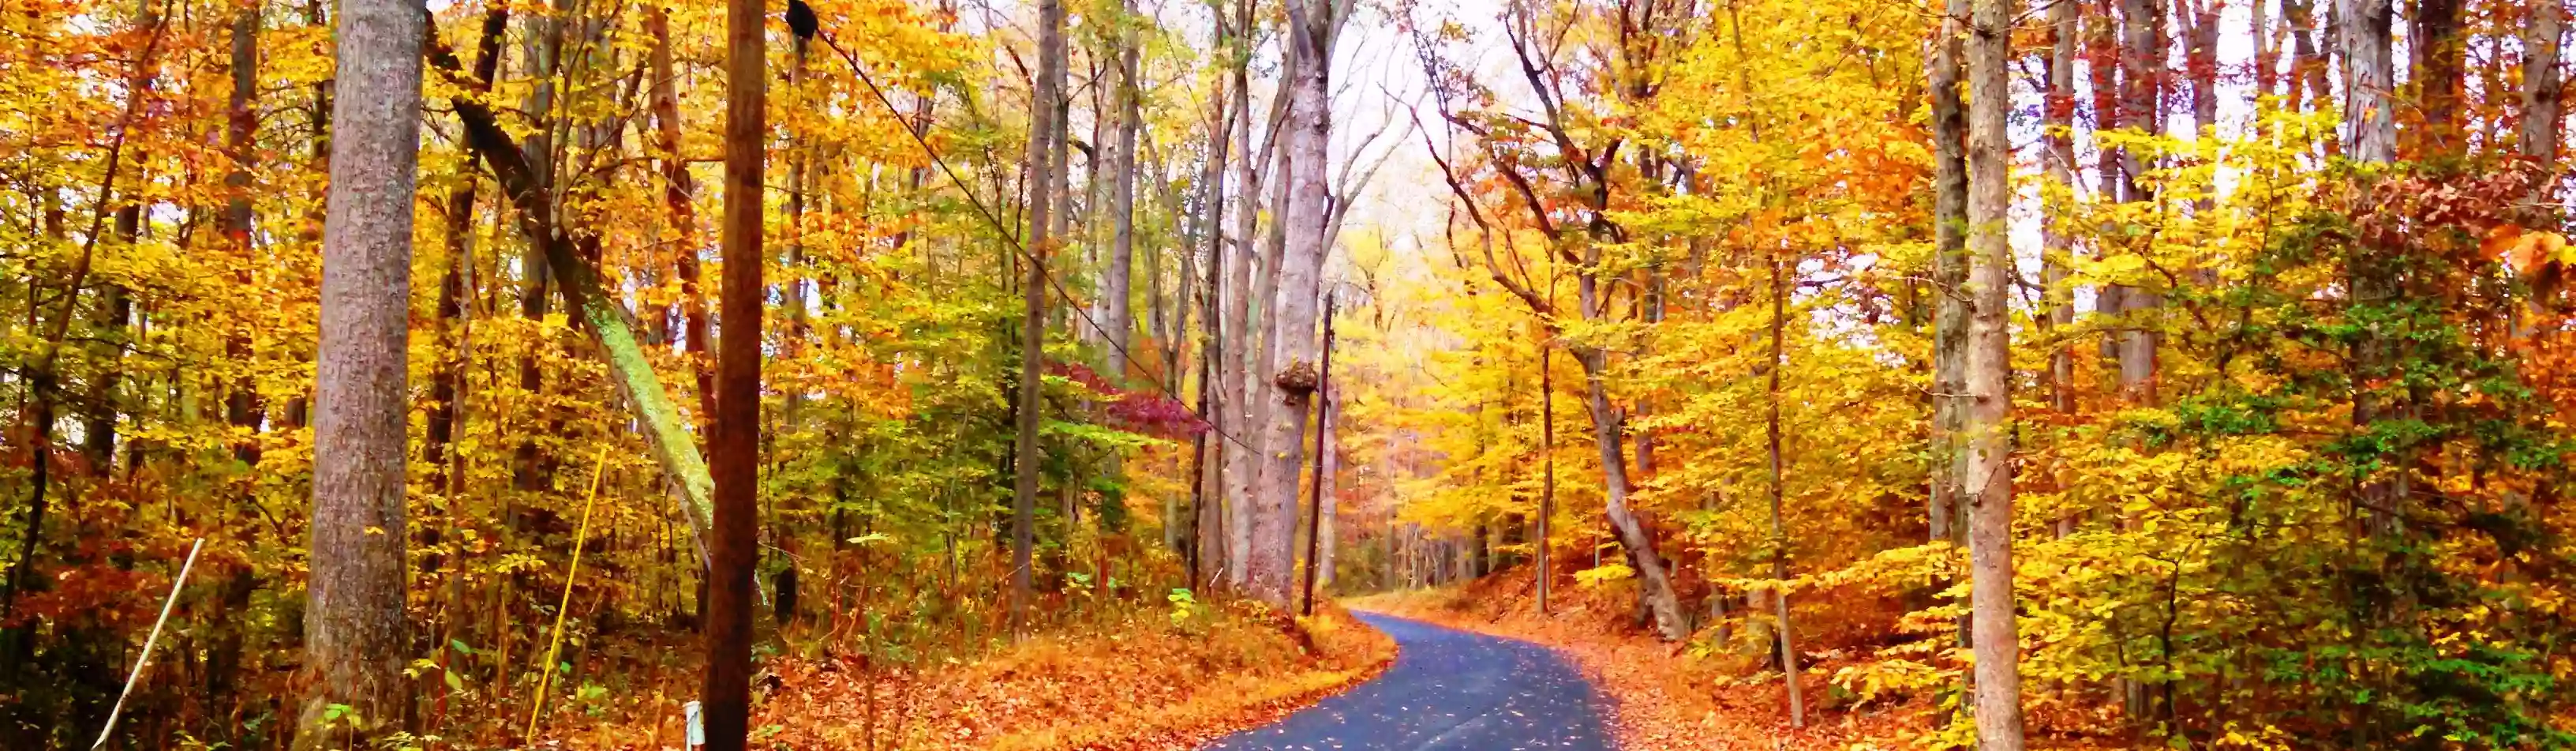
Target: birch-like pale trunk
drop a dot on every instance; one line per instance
(1987, 428)
(1292, 347)
(1242, 461)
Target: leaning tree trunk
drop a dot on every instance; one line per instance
(1989, 469)
(1292, 345)
(354, 627)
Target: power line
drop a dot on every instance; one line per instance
(1010, 235)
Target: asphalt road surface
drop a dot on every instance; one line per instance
(1449, 690)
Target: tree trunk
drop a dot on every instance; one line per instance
(733, 441)
(2542, 78)
(241, 131)
(2057, 234)
(1118, 317)
(1044, 174)
(354, 625)
(1547, 462)
(1241, 460)
(2438, 47)
(1949, 268)
(1779, 482)
(2142, 70)
(1292, 348)
(610, 325)
(2370, 125)
(1989, 469)
(679, 197)
(1328, 507)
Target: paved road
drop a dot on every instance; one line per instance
(1449, 690)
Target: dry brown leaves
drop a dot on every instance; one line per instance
(1140, 684)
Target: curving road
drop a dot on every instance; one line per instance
(1449, 690)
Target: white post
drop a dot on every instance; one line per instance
(148, 641)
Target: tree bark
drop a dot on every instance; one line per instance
(1779, 484)
(2141, 70)
(1989, 469)
(679, 197)
(1272, 575)
(1241, 460)
(354, 626)
(2438, 47)
(1949, 269)
(2370, 125)
(733, 440)
(2542, 80)
(1045, 171)
(241, 131)
(1118, 317)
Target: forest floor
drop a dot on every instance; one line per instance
(1146, 679)
(1663, 696)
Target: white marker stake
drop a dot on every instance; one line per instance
(697, 732)
(146, 657)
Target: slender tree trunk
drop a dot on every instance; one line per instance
(1987, 425)
(354, 626)
(241, 131)
(1118, 318)
(1779, 483)
(1045, 171)
(1292, 346)
(679, 197)
(1547, 461)
(2058, 231)
(1949, 268)
(1326, 412)
(1241, 460)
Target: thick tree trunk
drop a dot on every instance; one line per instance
(2542, 79)
(1653, 578)
(2438, 49)
(354, 625)
(2142, 71)
(1292, 345)
(2370, 122)
(733, 441)
(1989, 470)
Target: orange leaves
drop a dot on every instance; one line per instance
(2527, 251)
